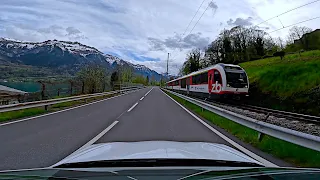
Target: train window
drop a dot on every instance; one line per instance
(210, 77)
(217, 77)
(183, 83)
(200, 78)
(194, 79)
(204, 78)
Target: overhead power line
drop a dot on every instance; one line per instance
(294, 24)
(195, 25)
(189, 24)
(288, 11)
(199, 19)
(193, 18)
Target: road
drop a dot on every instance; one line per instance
(147, 114)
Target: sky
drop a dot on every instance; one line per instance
(145, 31)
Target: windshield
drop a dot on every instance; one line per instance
(165, 173)
(159, 83)
(237, 79)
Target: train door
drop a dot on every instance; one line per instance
(210, 80)
(188, 79)
(216, 82)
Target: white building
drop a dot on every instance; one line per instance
(10, 95)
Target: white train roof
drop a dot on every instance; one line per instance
(203, 70)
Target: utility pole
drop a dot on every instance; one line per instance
(168, 65)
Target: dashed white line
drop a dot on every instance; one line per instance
(238, 146)
(132, 107)
(90, 142)
(141, 98)
(148, 92)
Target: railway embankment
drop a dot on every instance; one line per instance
(291, 84)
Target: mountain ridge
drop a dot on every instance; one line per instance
(64, 56)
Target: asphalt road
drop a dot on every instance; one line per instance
(43, 141)
(157, 117)
(147, 114)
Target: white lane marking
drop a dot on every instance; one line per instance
(89, 143)
(132, 107)
(43, 115)
(148, 92)
(238, 146)
(121, 115)
(141, 98)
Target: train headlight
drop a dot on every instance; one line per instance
(246, 86)
(228, 85)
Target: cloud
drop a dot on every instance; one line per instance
(55, 29)
(213, 5)
(72, 30)
(148, 29)
(156, 44)
(190, 41)
(240, 22)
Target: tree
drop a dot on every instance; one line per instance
(126, 74)
(147, 80)
(139, 79)
(296, 33)
(114, 78)
(93, 78)
(192, 63)
(239, 44)
(280, 43)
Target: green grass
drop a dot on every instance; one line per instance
(12, 115)
(294, 154)
(21, 113)
(285, 77)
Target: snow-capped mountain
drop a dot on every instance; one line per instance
(63, 55)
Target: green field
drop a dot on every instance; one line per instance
(287, 77)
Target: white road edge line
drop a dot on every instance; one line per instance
(90, 142)
(141, 98)
(132, 107)
(148, 92)
(43, 115)
(238, 146)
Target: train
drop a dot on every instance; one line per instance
(220, 81)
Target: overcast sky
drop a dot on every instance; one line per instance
(144, 31)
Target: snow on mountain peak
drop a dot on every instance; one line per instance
(73, 47)
(82, 53)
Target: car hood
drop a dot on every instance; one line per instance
(156, 150)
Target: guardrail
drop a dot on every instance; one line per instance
(289, 135)
(46, 103)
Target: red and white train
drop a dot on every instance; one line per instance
(214, 82)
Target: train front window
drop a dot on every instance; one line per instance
(217, 77)
(236, 79)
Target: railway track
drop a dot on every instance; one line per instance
(272, 112)
(269, 112)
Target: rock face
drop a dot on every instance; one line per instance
(63, 56)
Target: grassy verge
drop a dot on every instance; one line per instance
(12, 115)
(286, 77)
(294, 154)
